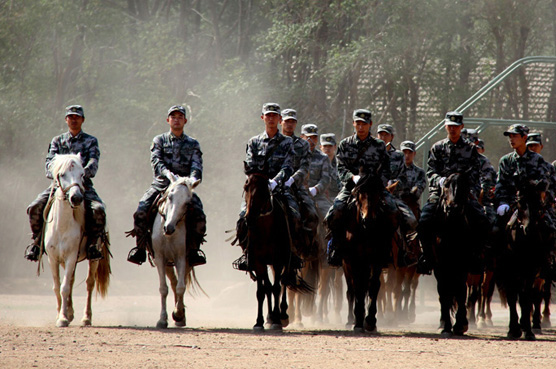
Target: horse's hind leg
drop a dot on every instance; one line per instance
(90, 282)
(163, 289)
(338, 293)
(546, 298)
(323, 293)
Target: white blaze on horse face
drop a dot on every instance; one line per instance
(71, 183)
(176, 205)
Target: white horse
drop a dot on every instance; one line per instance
(65, 240)
(168, 240)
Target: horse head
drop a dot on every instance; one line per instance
(173, 204)
(455, 194)
(68, 174)
(531, 199)
(257, 193)
(368, 193)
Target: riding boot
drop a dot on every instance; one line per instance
(241, 263)
(93, 252)
(32, 252)
(335, 249)
(426, 259)
(138, 254)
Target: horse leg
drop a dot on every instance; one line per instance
(537, 292)
(397, 291)
(284, 318)
(473, 286)
(389, 296)
(338, 294)
(178, 287)
(546, 299)
(414, 283)
(460, 291)
(276, 292)
(65, 316)
(381, 303)
(374, 287)
(324, 293)
(55, 269)
(490, 293)
(90, 282)
(163, 289)
(445, 297)
(526, 303)
(261, 294)
(515, 329)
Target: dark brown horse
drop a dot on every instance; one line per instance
(520, 258)
(269, 244)
(370, 228)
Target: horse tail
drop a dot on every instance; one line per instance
(192, 285)
(104, 270)
(296, 283)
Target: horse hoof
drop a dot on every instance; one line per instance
(546, 323)
(85, 322)
(358, 330)
(162, 324)
(460, 330)
(258, 329)
(298, 325)
(178, 317)
(535, 331)
(530, 336)
(446, 334)
(276, 327)
(285, 322)
(61, 323)
(514, 335)
(180, 323)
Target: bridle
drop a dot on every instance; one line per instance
(65, 190)
(271, 197)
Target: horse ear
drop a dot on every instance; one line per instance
(173, 178)
(196, 183)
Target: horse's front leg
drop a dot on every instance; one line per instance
(261, 293)
(324, 293)
(65, 315)
(338, 293)
(374, 287)
(284, 318)
(526, 304)
(446, 298)
(276, 289)
(515, 330)
(460, 293)
(163, 289)
(55, 269)
(178, 286)
(91, 279)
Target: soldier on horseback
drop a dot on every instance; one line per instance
(272, 153)
(359, 153)
(319, 172)
(328, 147)
(172, 154)
(75, 141)
(451, 155)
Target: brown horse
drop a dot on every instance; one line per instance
(369, 231)
(269, 243)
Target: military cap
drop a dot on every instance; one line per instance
(271, 108)
(289, 114)
(328, 139)
(472, 135)
(309, 129)
(75, 110)
(178, 108)
(534, 138)
(480, 143)
(453, 118)
(520, 129)
(362, 115)
(385, 128)
(408, 145)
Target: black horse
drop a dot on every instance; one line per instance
(522, 254)
(269, 243)
(453, 252)
(370, 228)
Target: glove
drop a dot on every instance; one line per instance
(356, 178)
(313, 191)
(502, 209)
(272, 184)
(289, 182)
(441, 182)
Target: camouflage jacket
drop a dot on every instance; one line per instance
(408, 178)
(181, 156)
(513, 169)
(319, 173)
(374, 158)
(83, 144)
(487, 177)
(396, 160)
(335, 185)
(446, 158)
(301, 160)
(279, 166)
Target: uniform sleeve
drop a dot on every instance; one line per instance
(505, 187)
(197, 162)
(385, 167)
(420, 182)
(434, 167)
(157, 158)
(286, 170)
(249, 157)
(91, 166)
(324, 176)
(303, 172)
(343, 172)
(474, 175)
(53, 149)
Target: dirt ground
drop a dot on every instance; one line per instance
(220, 336)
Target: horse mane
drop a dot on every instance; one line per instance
(62, 163)
(181, 181)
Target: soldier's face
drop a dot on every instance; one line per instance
(480, 150)
(288, 126)
(517, 141)
(312, 141)
(385, 136)
(454, 132)
(271, 120)
(535, 148)
(74, 122)
(361, 128)
(329, 150)
(408, 156)
(176, 120)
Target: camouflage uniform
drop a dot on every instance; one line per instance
(87, 146)
(487, 178)
(396, 160)
(182, 157)
(446, 158)
(319, 177)
(335, 185)
(411, 182)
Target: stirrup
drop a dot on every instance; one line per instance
(93, 253)
(241, 263)
(196, 257)
(32, 252)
